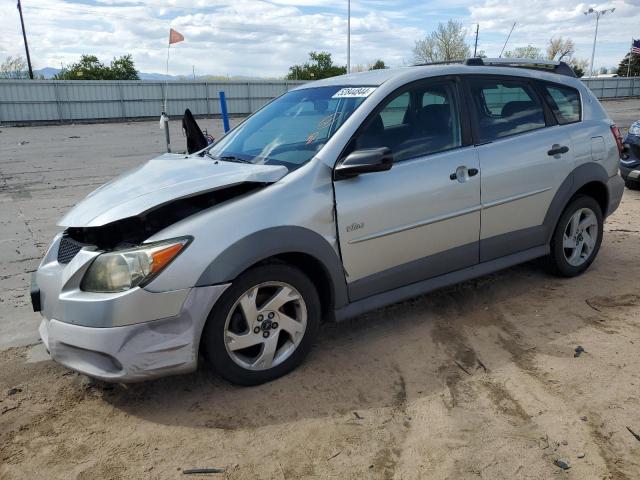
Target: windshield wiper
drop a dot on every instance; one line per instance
(228, 158)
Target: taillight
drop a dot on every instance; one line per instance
(616, 134)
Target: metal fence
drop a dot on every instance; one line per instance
(53, 101)
(617, 87)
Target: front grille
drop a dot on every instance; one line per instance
(68, 249)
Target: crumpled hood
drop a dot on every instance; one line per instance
(161, 180)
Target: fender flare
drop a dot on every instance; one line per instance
(578, 178)
(263, 244)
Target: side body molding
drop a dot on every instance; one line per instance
(276, 241)
(578, 178)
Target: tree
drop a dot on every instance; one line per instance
(444, 44)
(623, 68)
(320, 65)
(377, 65)
(579, 66)
(90, 68)
(123, 68)
(560, 49)
(524, 52)
(14, 67)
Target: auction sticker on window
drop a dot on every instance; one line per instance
(354, 92)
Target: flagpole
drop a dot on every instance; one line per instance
(166, 87)
(164, 117)
(629, 62)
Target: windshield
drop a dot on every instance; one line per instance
(292, 129)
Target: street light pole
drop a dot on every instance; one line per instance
(598, 14)
(348, 36)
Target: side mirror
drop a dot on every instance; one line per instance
(368, 160)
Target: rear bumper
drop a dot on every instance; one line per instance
(615, 186)
(137, 352)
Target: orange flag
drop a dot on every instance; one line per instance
(174, 36)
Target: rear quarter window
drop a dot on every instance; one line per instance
(564, 102)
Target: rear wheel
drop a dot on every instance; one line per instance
(263, 326)
(577, 238)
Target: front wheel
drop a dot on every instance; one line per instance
(263, 326)
(577, 238)
(632, 184)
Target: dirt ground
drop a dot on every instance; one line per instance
(477, 381)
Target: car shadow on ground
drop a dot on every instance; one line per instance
(412, 349)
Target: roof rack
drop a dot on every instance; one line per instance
(561, 68)
(445, 62)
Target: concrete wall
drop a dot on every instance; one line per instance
(53, 101)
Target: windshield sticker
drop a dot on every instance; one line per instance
(354, 92)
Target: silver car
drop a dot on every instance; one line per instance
(342, 196)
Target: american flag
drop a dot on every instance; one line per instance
(635, 46)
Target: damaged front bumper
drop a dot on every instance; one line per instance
(118, 337)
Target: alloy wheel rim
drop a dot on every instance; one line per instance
(265, 326)
(580, 237)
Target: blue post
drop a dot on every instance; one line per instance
(223, 109)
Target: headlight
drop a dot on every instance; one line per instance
(121, 270)
(635, 128)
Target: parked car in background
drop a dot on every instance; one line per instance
(339, 197)
(630, 159)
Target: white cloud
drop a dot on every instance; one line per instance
(265, 37)
(539, 20)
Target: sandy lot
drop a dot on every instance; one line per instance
(475, 381)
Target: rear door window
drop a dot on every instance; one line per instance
(564, 101)
(505, 107)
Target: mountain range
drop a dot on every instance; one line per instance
(49, 72)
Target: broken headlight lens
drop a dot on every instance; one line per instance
(121, 270)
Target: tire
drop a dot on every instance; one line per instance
(632, 184)
(566, 261)
(239, 339)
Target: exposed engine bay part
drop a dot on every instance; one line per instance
(132, 231)
(196, 140)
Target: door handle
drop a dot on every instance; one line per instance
(557, 150)
(463, 173)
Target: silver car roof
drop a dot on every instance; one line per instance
(376, 78)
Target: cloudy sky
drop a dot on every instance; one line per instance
(265, 37)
